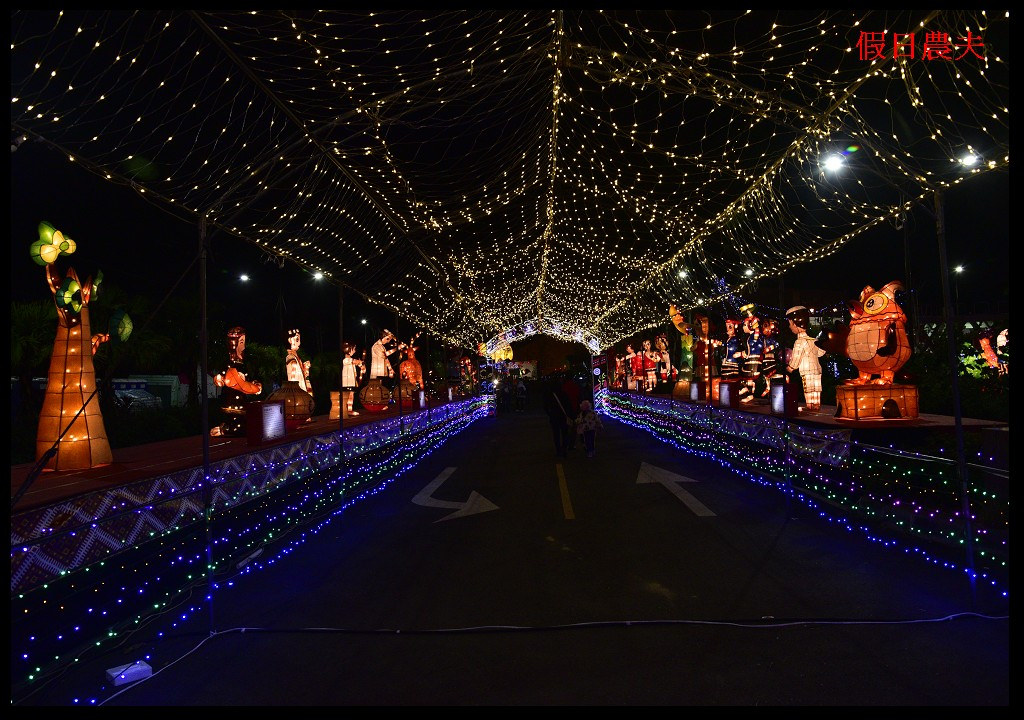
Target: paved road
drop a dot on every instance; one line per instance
(494, 575)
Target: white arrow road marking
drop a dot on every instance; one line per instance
(476, 503)
(652, 473)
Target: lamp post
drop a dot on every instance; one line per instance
(834, 163)
(956, 289)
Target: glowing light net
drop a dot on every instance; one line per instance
(489, 172)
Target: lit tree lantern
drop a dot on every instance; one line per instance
(70, 430)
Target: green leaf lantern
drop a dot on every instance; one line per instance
(120, 326)
(65, 244)
(44, 251)
(69, 295)
(46, 231)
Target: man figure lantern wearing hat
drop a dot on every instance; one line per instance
(805, 356)
(733, 351)
(769, 366)
(752, 354)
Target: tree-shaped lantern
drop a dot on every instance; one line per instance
(71, 431)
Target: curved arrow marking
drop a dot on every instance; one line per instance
(652, 473)
(476, 503)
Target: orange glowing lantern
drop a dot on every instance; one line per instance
(71, 433)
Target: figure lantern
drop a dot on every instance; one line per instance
(878, 345)
(238, 390)
(753, 354)
(71, 430)
(805, 356)
(351, 373)
(296, 369)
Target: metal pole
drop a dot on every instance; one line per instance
(341, 365)
(950, 320)
(398, 385)
(205, 417)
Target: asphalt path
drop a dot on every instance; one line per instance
(495, 574)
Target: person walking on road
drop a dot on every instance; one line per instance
(555, 406)
(588, 423)
(520, 396)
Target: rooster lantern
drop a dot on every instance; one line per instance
(877, 342)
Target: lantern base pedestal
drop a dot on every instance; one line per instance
(681, 389)
(729, 393)
(876, 402)
(375, 397)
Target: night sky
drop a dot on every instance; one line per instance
(144, 249)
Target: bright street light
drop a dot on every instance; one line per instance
(833, 162)
(363, 321)
(318, 275)
(243, 277)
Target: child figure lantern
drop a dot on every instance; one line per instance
(71, 433)
(753, 354)
(351, 373)
(237, 390)
(805, 356)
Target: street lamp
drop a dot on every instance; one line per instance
(956, 288)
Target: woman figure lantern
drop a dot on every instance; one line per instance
(805, 356)
(297, 370)
(878, 342)
(237, 390)
(650, 364)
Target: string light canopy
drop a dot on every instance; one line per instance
(488, 172)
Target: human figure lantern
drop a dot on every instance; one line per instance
(351, 373)
(296, 368)
(805, 356)
(71, 433)
(733, 352)
(237, 391)
(769, 364)
(650, 360)
(753, 354)
(380, 353)
(636, 367)
(665, 371)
